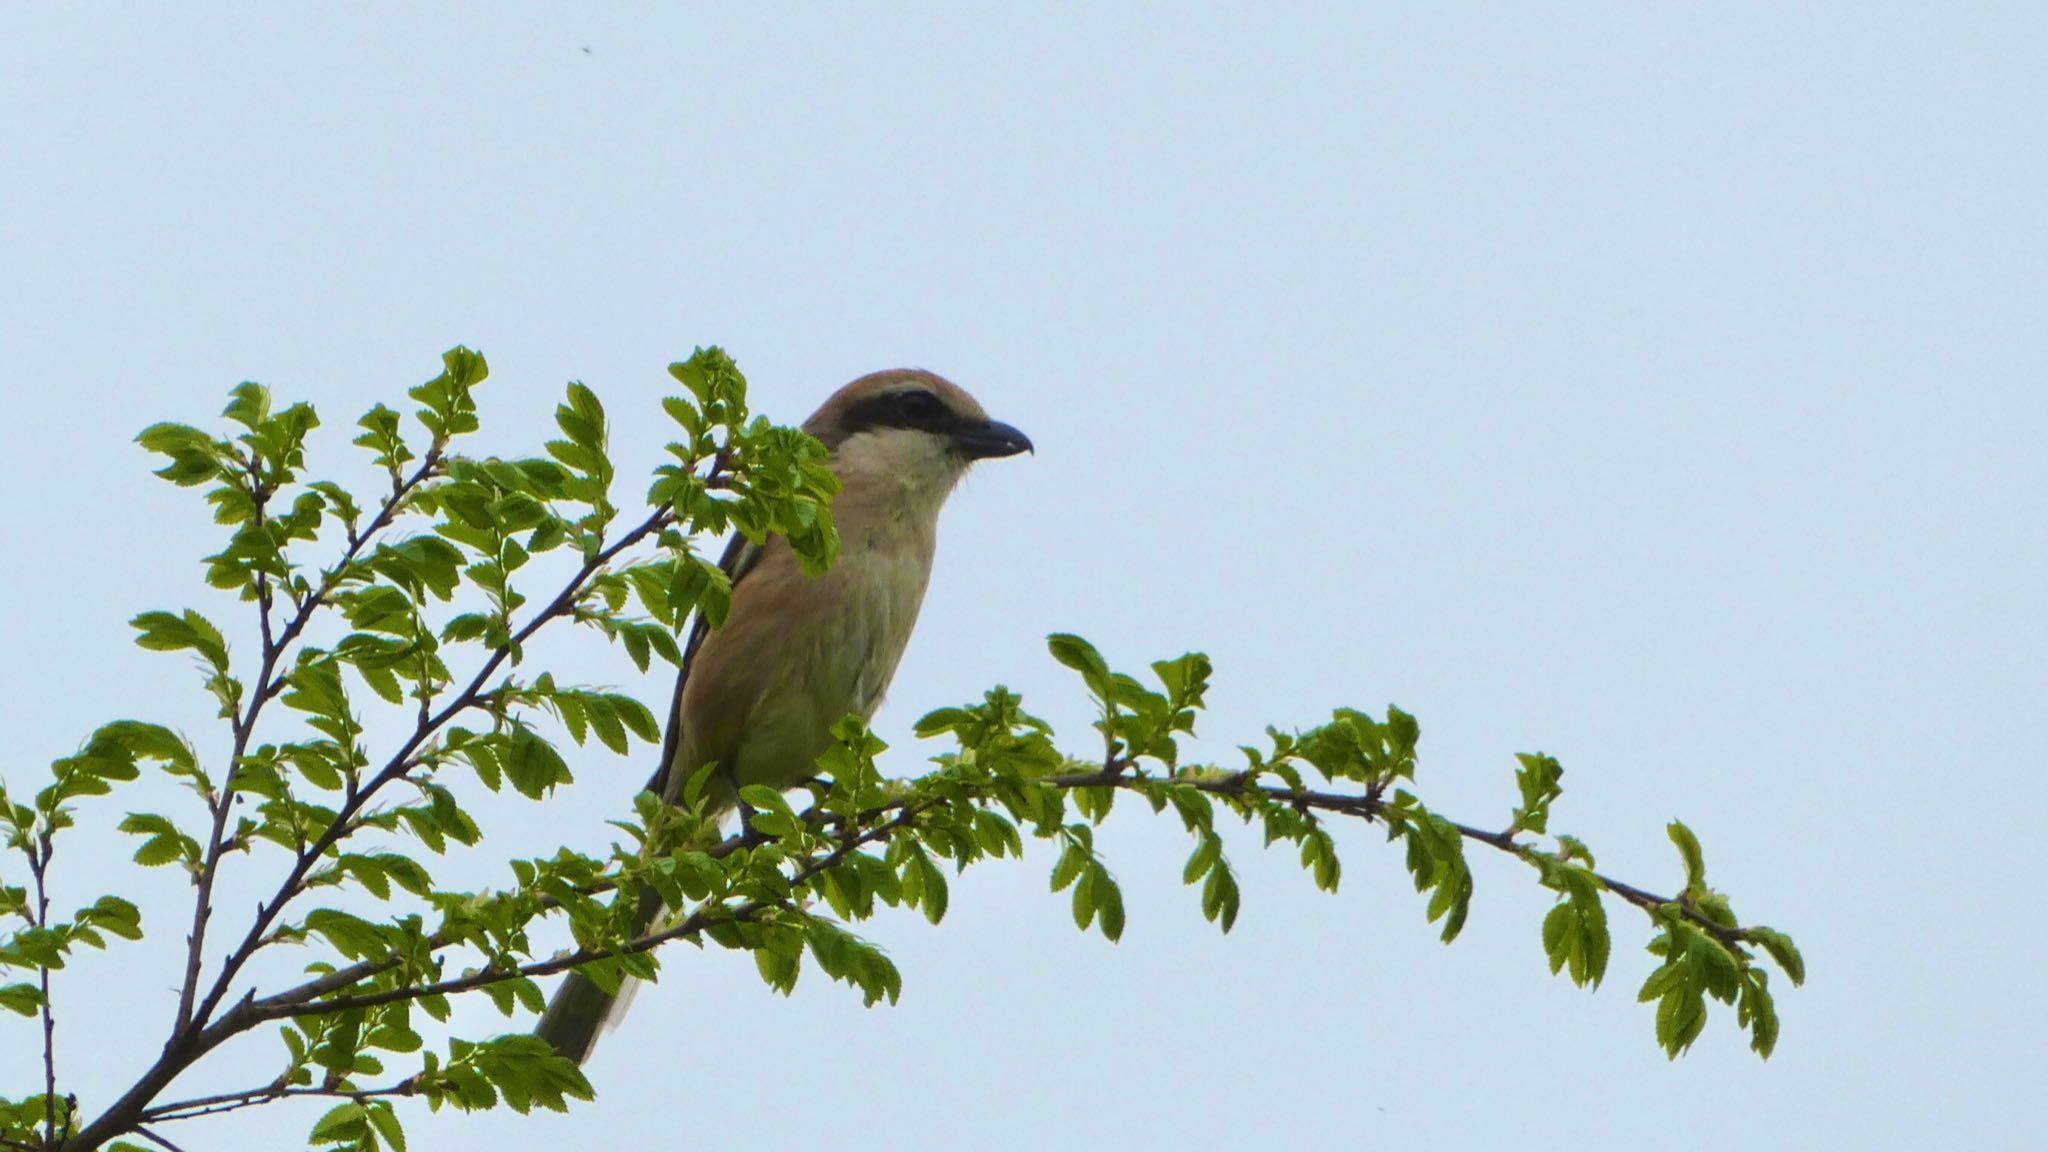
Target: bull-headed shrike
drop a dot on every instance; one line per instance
(758, 697)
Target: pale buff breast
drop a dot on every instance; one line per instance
(799, 653)
(843, 664)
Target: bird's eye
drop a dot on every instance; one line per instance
(919, 406)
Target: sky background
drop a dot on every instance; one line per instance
(1663, 390)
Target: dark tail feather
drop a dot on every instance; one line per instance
(574, 1017)
(580, 1008)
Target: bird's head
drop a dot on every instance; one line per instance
(914, 427)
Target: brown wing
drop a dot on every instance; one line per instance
(737, 561)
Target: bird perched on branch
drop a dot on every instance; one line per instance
(759, 696)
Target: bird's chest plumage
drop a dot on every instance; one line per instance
(840, 650)
(882, 587)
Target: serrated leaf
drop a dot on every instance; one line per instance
(1689, 851)
(1078, 654)
(1782, 951)
(1068, 868)
(1084, 898)
(1220, 897)
(343, 1124)
(1109, 905)
(384, 1118)
(22, 999)
(1207, 852)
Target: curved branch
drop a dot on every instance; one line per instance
(401, 760)
(303, 1000)
(194, 1036)
(1368, 806)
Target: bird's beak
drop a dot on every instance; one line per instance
(990, 439)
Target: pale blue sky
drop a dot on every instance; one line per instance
(1661, 390)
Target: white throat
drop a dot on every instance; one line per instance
(907, 471)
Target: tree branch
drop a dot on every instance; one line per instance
(197, 1032)
(254, 1097)
(39, 865)
(877, 824)
(268, 685)
(157, 1140)
(869, 827)
(401, 760)
(303, 1000)
(1369, 807)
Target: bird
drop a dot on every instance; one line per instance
(758, 697)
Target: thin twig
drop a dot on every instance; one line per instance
(875, 824)
(402, 760)
(157, 1140)
(39, 866)
(221, 802)
(297, 1002)
(253, 1097)
(269, 685)
(1369, 807)
(198, 1031)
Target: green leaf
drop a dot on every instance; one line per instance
(164, 632)
(1319, 856)
(1782, 950)
(693, 788)
(851, 960)
(637, 717)
(165, 843)
(604, 720)
(384, 1118)
(1079, 655)
(1220, 896)
(1689, 851)
(1558, 929)
(352, 936)
(112, 914)
(532, 764)
(248, 405)
(930, 888)
(683, 412)
(1756, 1011)
(1084, 897)
(1208, 851)
(22, 999)
(942, 720)
(344, 1124)
(997, 835)
(1109, 904)
(765, 799)
(1187, 683)
(698, 373)
(378, 871)
(1538, 778)
(448, 409)
(1573, 848)
(1436, 860)
(195, 457)
(382, 437)
(1068, 868)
